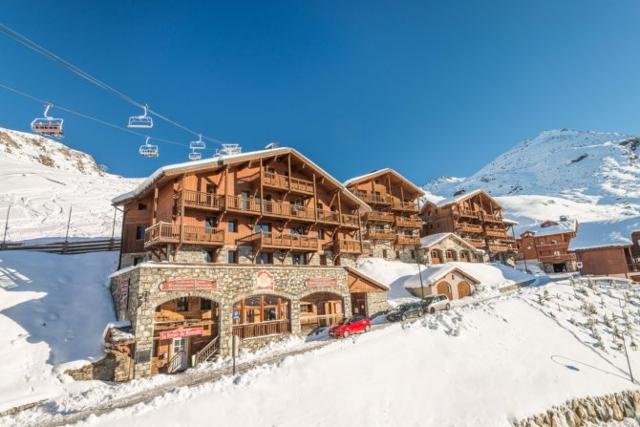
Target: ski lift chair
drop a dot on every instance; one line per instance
(197, 145)
(141, 122)
(194, 155)
(148, 150)
(47, 125)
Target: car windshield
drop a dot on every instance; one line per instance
(429, 300)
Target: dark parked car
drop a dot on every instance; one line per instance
(406, 311)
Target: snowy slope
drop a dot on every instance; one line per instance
(591, 176)
(43, 179)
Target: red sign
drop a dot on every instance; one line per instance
(322, 281)
(265, 280)
(188, 285)
(182, 332)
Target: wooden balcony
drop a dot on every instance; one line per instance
(497, 232)
(350, 221)
(247, 205)
(495, 218)
(403, 206)
(404, 240)
(342, 246)
(408, 222)
(558, 258)
(162, 233)
(467, 213)
(499, 247)
(269, 241)
(374, 199)
(377, 216)
(477, 243)
(260, 329)
(329, 217)
(465, 227)
(283, 182)
(202, 200)
(381, 235)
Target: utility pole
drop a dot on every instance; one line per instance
(6, 227)
(66, 237)
(420, 276)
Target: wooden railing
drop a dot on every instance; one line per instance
(380, 235)
(163, 232)
(408, 222)
(284, 182)
(345, 246)
(376, 216)
(328, 216)
(271, 240)
(403, 239)
(499, 247)
(558, 258)
(250, 330)
(477, 243)
(243, 204)
(349, 220)
(496, 232)
(492, 218)
(372, 198)
(469, 228)
(201, 199)
(467, 213)
(207, 351)
(312, 322)
(401, 205)
(177, 362)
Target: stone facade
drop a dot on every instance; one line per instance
(381, 248)
(136, 292)
(377, 302)
(115, 366)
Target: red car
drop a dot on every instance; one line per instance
(352, 325)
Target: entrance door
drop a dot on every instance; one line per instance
(359, 303)
(179, 360)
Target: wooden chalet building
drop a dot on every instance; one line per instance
(476, 217)
(254, 245)
(608, 259)
(548, 245)
(392, 225)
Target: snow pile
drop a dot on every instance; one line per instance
(593, 177)
(43, 179)
(53, 309)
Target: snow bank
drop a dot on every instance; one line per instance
(391, 273)
(53, 310)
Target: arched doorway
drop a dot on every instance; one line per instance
(261, 315)
(185, 330)
(320, 309)
(464, 289)
(443, 288)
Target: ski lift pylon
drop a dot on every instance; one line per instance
(148, 150)
(197, 145)
(144, 121)
(47, 125)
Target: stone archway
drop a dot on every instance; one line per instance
(464, 289)
(320, 309)
(444, 288)
(464, 256)
(451, 255)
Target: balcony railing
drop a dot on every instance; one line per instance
(346, 246)
(374, 199)
(558, 258)
(477, 243)
(286, 183)
(201, 199)
(328, 216)
(492, 218)
(496, 232)
(408, 222)
(163, 232)
(243, 204)
(402, 239)
(401, 205)
(376, 216)
(469, 228)
(468, 213)
(499, 247)
(380, 235)
(269, 240)
(260, 329)
(349, 220)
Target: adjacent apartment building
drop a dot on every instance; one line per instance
(392, 225)
(477, 218)
(254, 245)
(547, 244)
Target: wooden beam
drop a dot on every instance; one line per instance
(339, 207)
(182, 208)
(289, 169)
(315, 198)
(155, 205)
(261, 187)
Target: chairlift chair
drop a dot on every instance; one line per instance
(47, 125)
(148, 150)
(194, 155)
(142, 122)
(197, 145)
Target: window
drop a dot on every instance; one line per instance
(210, 222)
(413, 254)
(209, 256)
(298, 231)
(182, 304)
(323, 260)
(320, 233)
(140, 232)
(263, 228)
(205, 304)
(142, 206)
(264, 258)
(434, 254)
(232, 257)
(232, 226)
(384, 253)
(298, 259)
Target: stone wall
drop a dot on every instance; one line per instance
(115, 366)
(126, 260)
(378, 248)
(407, 252)
(587, 411)
(377, 302)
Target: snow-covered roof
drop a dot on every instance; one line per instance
(432, 239)
(550, 228)
(367, 278)
(600, 246)
(221, 160)
(509, 221)
(446, 202)
(383, 171)
(437, 272)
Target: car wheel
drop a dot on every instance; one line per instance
(432, 310)
(367, 328)
(345, 334)
(448, 307)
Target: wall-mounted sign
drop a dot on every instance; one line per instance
(188, 285)
(321, 281)
(181, 332)
(579, 264)
(265, 281)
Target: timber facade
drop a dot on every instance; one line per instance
(477, 218)
(393, 225)
(256, 246)
(548, 245)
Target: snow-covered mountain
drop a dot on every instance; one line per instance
(592, 176)
(42, 180)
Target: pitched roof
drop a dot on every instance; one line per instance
(437, 272)
(432, 239)
(549, 228)
(602, 246)
(221, 160)
(380, 172)
(367, 278)
(457, 199)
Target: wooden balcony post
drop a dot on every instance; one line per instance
(289, 169)
(261, 187)
(182, 208)
(315, 199)
(226, 185)
(360, 231)
(155, 205)
(339, 206)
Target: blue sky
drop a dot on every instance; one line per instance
(428, 88)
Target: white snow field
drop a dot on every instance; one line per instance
(43, 179)
(53, 310)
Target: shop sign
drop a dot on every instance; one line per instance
(321, 281)
(188, 285)
(265, 281)
(182, 332)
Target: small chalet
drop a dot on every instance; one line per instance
(448, 280)
(612, 259)
(547, 244)
(448, 247)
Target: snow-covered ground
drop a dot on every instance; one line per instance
(53, 310)
(43, 179)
